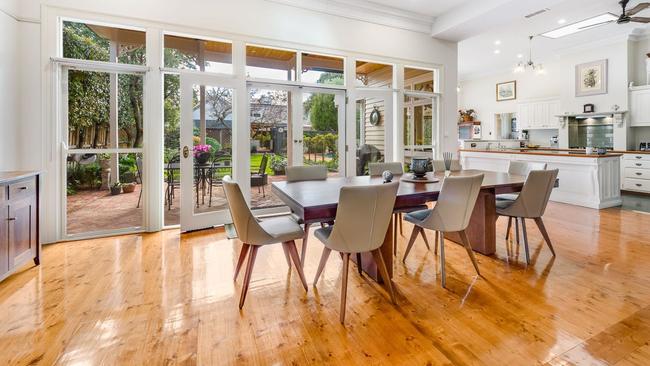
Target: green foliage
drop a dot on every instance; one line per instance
(330, 78)
(278, 163)
(216, 146)
(322, 111)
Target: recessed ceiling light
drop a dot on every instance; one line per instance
(497, 42)
(519, 55)
(496, 52)
(581, 25)
(561, 21)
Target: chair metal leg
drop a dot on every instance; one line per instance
(139, 197)
(470, 252)
(443, 274)
(414, 235)
(359, 264)
(242, 256)
(344, 286)
(383, 271)
(303, 249)
(395, 234)
(517, 229)
(401, 224)
(247, 276)
(542, 229)
(523, 229)
(509, 227)
(293, 251)
(424, 236)
(321, 265)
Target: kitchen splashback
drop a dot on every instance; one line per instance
(591, 132)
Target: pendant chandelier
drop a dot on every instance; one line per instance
(529, 65)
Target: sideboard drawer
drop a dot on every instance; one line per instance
(637, 157)
(3, 193)
(638, 164)
(637, 173)
(636, 184)
(22, 189)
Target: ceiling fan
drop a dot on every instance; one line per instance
(627, 16)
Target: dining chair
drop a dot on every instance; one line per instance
(362, 218)
(256, 233)
(377, 169)
(451, 213)
(439, 165)
(522, 168)
(305, 173)
(531, 204)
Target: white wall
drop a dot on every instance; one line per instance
(558, 81)
(9, 87)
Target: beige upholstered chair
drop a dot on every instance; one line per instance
(523, 168)
(255, 233)
(451, 213)
(362, 219)
(377, 169)
(531, 204)
(303, 173)
(439, 165)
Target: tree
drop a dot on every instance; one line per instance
(323, 113)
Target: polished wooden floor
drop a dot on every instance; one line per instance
(159, 299)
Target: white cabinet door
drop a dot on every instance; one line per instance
(538, 115)
(640, 107)
(554, 111)
(523, 116)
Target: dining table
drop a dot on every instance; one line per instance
(316, 201)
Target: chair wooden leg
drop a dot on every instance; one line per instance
(287, 256)
(443, 274)
(247, 276)
(321, 265)
(517, 229)
(424, 236)
(303, 249)
(435, 249)
(509, 227)
(291, 246)
(523, 230)
(344, 286)
(414, 235)
(542, 229)
(470, 252)
(242, 257)
(383, 271)
(359, 264)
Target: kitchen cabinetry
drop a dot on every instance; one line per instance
(640, 107)
(636, 172)
(19, 242)
(538, 114)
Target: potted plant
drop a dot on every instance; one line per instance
(202, 153)
(467, 115)
(116, 188)
(129, 182)
(278, 164)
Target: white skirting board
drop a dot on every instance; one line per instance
(587, 182)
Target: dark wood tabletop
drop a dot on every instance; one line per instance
(317, 200)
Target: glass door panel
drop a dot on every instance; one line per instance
(420, 127)
(207, 120)
(374, 129)
(322, 127)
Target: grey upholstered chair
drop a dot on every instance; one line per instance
(439, 165)
(451, 213)
(303, 173)
(531, 204)
(377, 169)
(362, 219)
(522, 168)
(255, 233)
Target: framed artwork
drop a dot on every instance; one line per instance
(591, 78)
(507, 91)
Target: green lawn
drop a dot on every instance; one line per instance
(256, 160)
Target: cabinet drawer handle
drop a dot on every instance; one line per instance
(11, 219)
(638, 164)
(637, 173)
(639, 157)
(22, 188)
(639, 185)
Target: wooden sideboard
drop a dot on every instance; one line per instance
(19, 205)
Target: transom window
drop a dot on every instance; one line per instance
(198, 54)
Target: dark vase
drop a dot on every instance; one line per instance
(202, 158)
(419, 167)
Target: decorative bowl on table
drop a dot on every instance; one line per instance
(419, 167)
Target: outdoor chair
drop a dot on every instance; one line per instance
(260, 179)
(138, 178)
(173, 182)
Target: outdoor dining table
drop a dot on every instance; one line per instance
(316, 201)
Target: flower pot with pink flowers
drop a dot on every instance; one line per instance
(202, 153)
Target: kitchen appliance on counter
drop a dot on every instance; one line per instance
(596, 132)
(644, 146)
(505, 126)
(469, 130)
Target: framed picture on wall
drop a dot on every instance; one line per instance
(591, 78)
(507, 91)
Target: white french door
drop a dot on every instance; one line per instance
(371, 135)
(209, 123)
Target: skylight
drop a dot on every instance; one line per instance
(581, 26)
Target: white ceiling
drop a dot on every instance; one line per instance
(431, 8)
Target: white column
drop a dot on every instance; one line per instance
(241, 122)
(202, 103)
(351, 126)
(398, 129)
(113, 114)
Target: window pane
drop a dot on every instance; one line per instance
(198, 54)
(419, 80)
(171, 177)
(321, 131)
(94, 201)
(91, 98)
(374, 75)
(419, 125)
(100, 43)
(321, 69)
(269, 63)
(370, 135)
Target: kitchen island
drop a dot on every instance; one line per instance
(585, 180)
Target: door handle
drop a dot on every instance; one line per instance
(186, 152)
